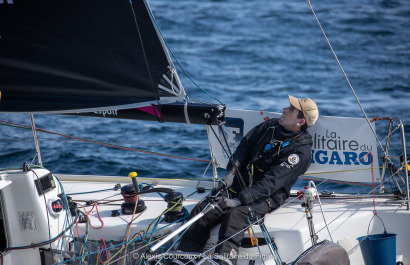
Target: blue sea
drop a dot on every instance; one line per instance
(250, 55)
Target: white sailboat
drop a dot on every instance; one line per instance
(47, 218)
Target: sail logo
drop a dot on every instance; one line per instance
(7, 1)
(107, 112)
(331, 149)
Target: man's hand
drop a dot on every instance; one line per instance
(224, 202)
(228, 179)
(231, 203)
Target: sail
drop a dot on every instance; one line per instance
(77, 56)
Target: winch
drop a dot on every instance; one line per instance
(130, 199)
(177, 211)
(131, 192)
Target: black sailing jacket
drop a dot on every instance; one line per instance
(278, 157)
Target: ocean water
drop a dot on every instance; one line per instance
(250, 55)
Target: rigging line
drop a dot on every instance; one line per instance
(342, 182)
(321, 209)
(136, 143)
(67, 217)
(347, 79)
(143, 52)
(99, 251)
(213, 160)
(111, 261)
(176, 60)
(202, 177)
(223, 241)
(256, 239)
(292, 200)
(242, 182)
(96, 252)
(45, 204)
(363, 197)
(129, 227)
(395, 129)
(271, 213)
(106, 144)
(33, 128)
(195, 100)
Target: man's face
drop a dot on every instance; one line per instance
(289, 119)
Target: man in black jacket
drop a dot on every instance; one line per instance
(261, 173)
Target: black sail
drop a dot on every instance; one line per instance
(73, 56)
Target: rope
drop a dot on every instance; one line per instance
(136, 143)
(88, 213)
(374, 201)
(94, 191)
(387, 217)
(33, 128)
(125, 244)
(202, 177)
(186, 111)
(347, 79)
(252, 233)
(175, 206)
(45, 242)
(103, 247)
(351, 88)
(135, 199)
(103, 143)
(284, 205)
(229, 155)
(321, 209)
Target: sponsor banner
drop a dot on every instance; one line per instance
(344, 149)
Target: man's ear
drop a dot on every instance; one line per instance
(301, 122)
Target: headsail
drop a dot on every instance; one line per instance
(66, 57)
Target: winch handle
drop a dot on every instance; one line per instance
(132, 175)
(211, 200)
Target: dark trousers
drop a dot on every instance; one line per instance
(233, 224)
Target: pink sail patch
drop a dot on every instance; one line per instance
(151, 110)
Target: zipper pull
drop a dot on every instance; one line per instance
(285, 144)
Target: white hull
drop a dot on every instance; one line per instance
(347, 219)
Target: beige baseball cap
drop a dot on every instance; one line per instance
(308, 107)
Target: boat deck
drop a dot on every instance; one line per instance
(347, 218)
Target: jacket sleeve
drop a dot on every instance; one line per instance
(280, 177)
(243, 152)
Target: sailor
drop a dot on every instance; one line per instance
(261, 173)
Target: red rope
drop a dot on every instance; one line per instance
(103, 247)
(87, 215)
(374, 201)
(130, 197)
